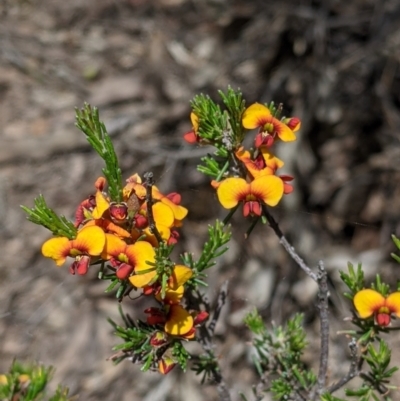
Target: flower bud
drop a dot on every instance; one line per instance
(166, 364)
(118, 211)
(158, 338)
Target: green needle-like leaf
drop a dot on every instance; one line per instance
(42, 215)
(88, 121)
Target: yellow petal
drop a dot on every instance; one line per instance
(270, 159)
(139, 254)
(141, 280)
(367, 302)
(57, 249)
(284, 133)
(242, 154)
(195, 121)
(393, 303)
(179, 211)
(171, 296)
(164, 231)
(179, 322)
(268, 188)
(179, 276)
(231, 191)
(90, 240)
(102, 205)
(255, 115)
(163, 214)
(113, 246)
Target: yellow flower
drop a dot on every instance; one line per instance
(259, 116)
(267, 189)
(370, 302)
(89, 242)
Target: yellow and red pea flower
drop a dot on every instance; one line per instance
(259, 116)
(293, 123)
(173, 201)
(176, 319)
(163, 219)
(266, 163)
(266, 189)
(192, 136)
(158, 339)
(127, 259)
(369, 303)
(88, 243)
(109, 227)
(82, 212)
(166, 364)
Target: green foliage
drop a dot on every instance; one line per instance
(235, 105)
(397, 243)
(180, 354)
(378, 362)
(354, 280)
(219, 235)
(88, 121)
(220, 128)
(42, 215)
(27, 382)
(278, 355)
(136, 340)
(205, 365)
(383, 288)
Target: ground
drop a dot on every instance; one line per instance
(334, 64)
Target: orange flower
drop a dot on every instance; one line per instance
(134, 186)
(173, 202)
(163, 218)
(166, 363)
(109, 227)
(259, 116)
(180, 274)
(267, 189)
(176, 319)
(179, 322)
(370, 302)
(82, 212)
(192, 136)
(293, 123)
(102, 205)
(88, 242)
(128, 258)
(266, 163)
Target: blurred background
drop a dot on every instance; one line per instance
(332, 63)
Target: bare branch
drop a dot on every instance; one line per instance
(323, 295)
(289, 248)
(354, 370)
(223, 293)
(205, 339)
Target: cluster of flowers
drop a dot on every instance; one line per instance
(119, 235)
(260, 184)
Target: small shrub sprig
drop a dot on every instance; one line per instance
(28, 382)
(128, 230)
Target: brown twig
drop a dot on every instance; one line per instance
(223, 293)
(323, 295)
(149, 199)
(205, 339)
(288, 247)
(354, 369)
